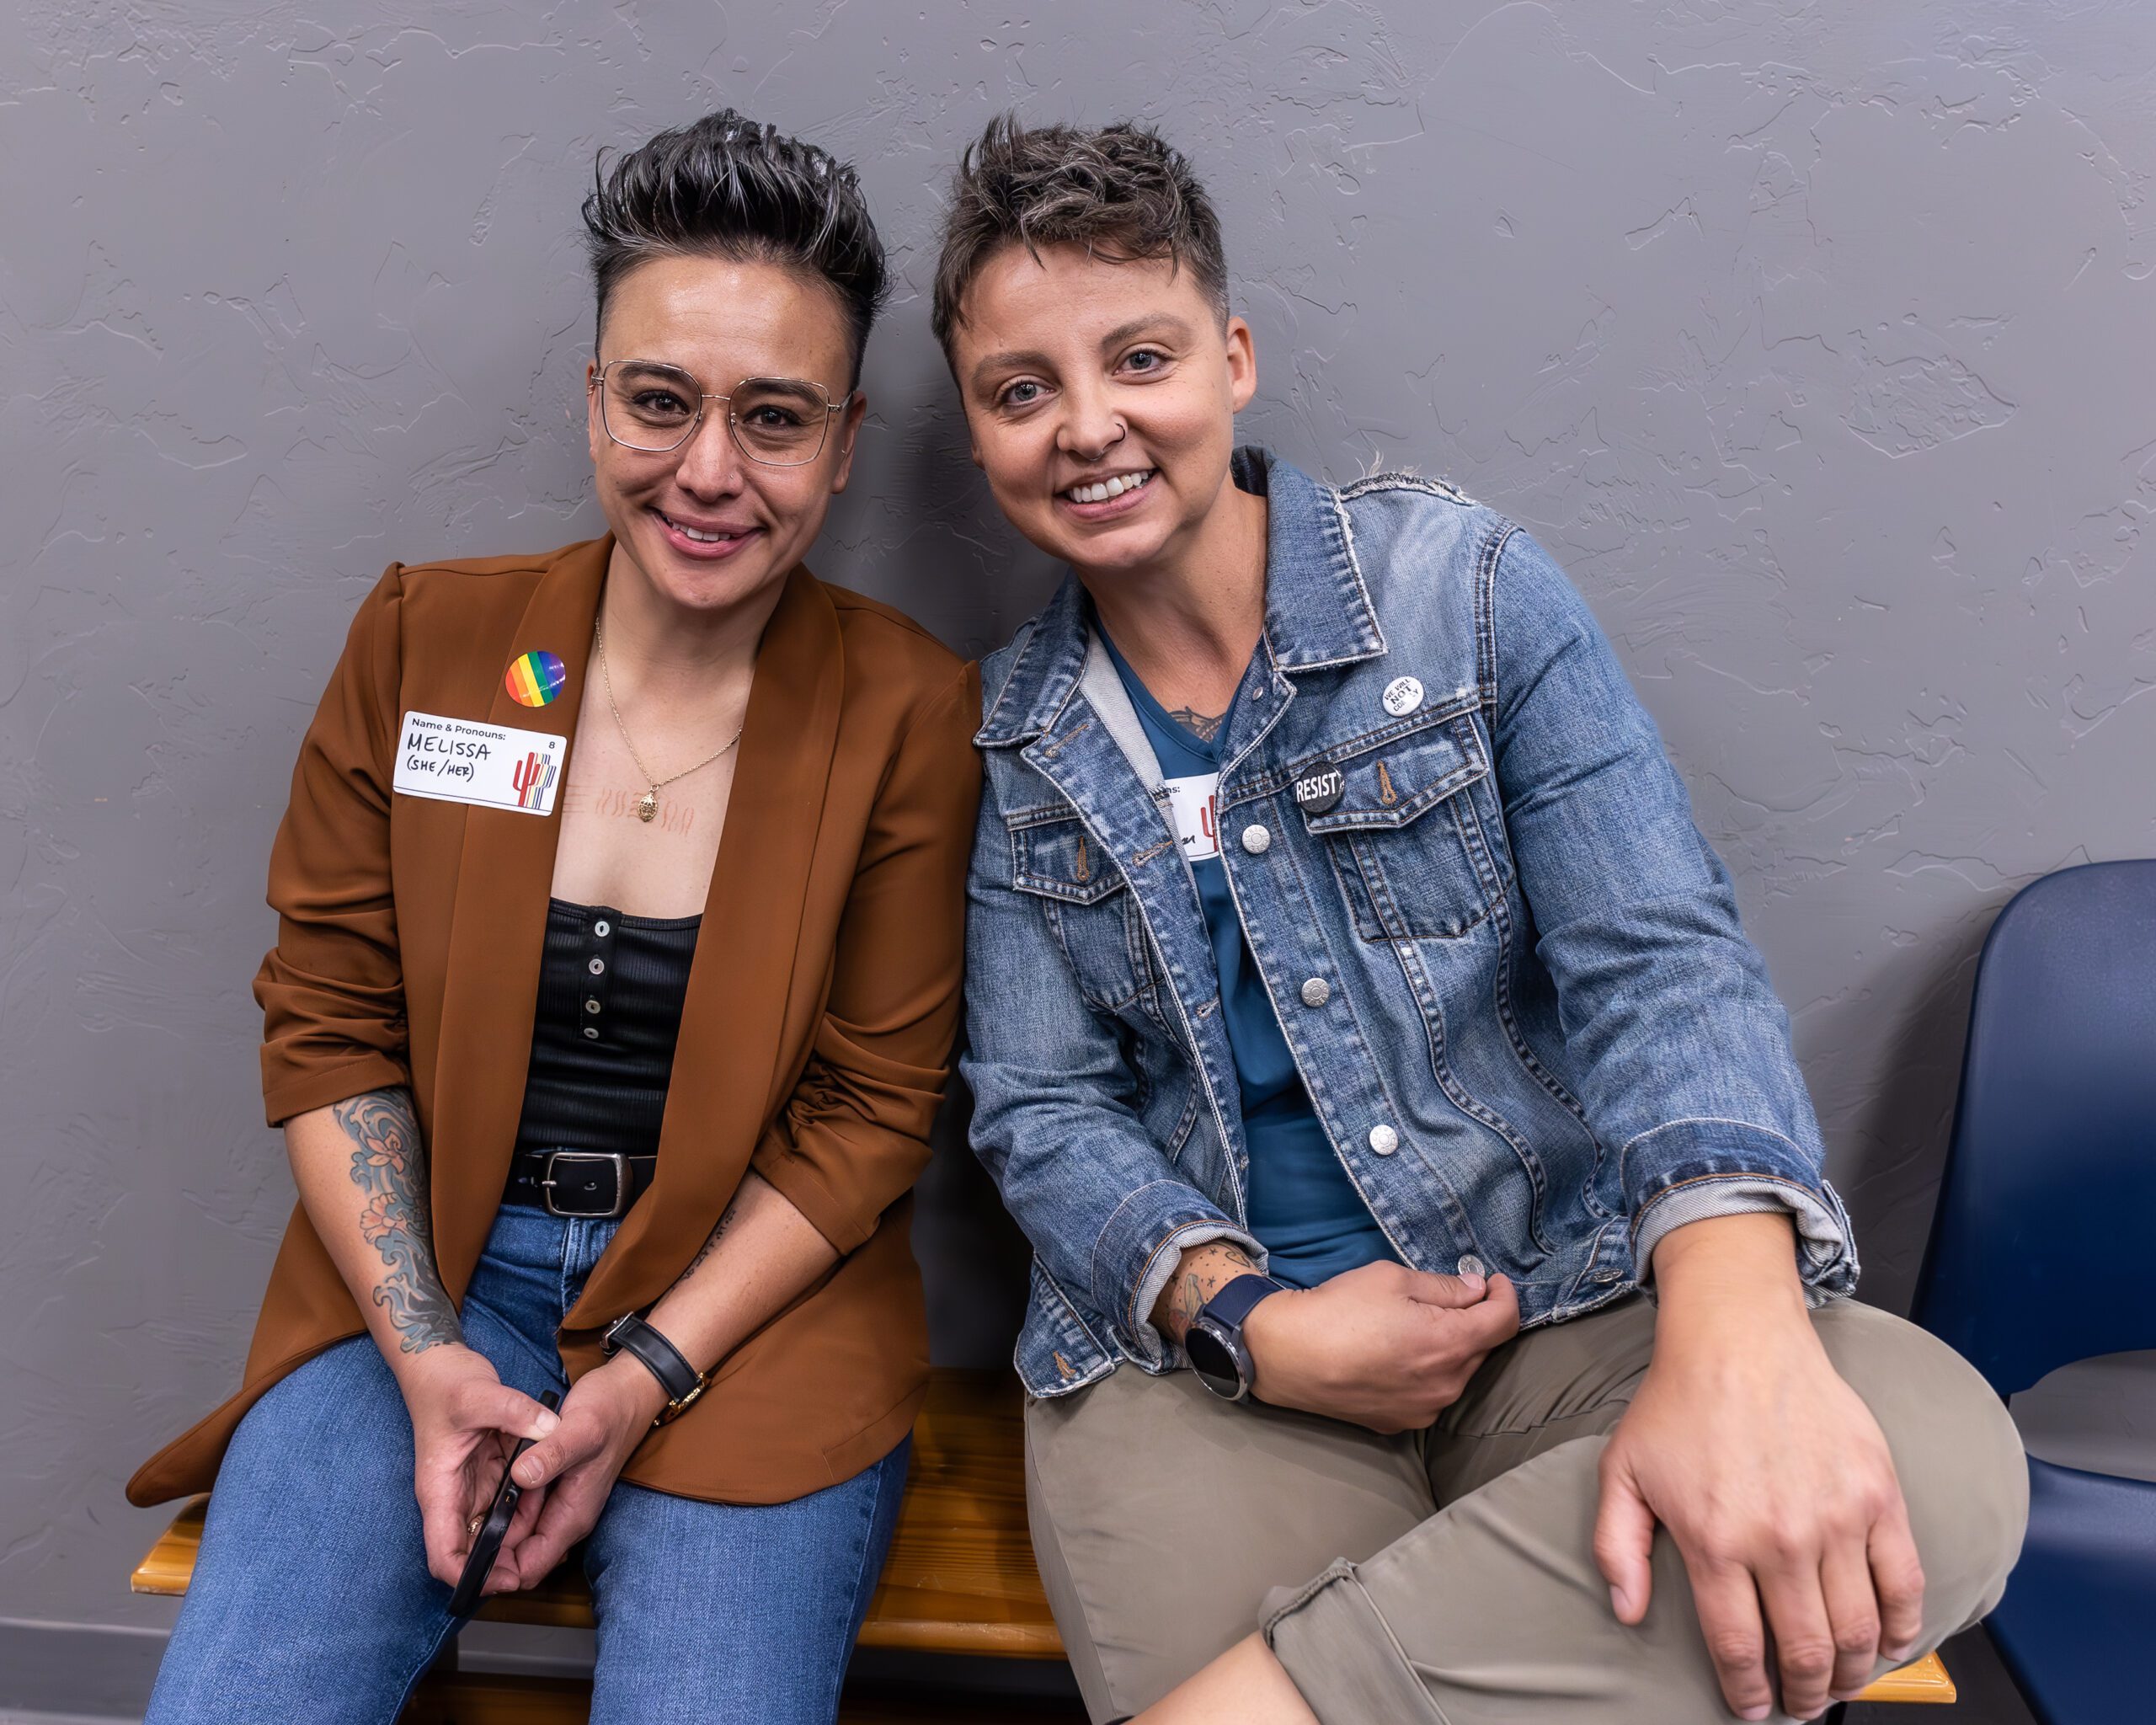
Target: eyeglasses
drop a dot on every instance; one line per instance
(779, 422)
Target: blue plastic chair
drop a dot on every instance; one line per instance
(2043, 1253)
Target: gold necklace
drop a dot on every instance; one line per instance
(648, 804)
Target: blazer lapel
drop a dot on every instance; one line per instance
(726, 1081)
(498, 930)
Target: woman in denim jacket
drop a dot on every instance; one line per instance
(1336, 913)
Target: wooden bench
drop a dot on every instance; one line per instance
(960, 1580)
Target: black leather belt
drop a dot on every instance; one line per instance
(578, 1183)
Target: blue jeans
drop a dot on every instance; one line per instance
(311, 1600)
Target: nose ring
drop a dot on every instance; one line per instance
(1121, 431)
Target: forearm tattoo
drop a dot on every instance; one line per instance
(1210, 1269)
(1199, 724)
(711, 1244)
(389, 1165)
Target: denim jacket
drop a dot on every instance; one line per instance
(1508, 967)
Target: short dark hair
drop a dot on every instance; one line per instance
(730, 187)
(1122, 192)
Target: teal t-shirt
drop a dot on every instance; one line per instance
(1303, 1207)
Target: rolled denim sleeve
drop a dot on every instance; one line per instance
(1687, 1074)
(1055, 1121)
(1820, 1233)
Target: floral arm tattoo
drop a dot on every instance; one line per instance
(389, 1165)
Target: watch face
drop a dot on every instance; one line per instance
(1213, 1362)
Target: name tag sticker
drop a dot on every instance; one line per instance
(1190, 804)
(494, 765)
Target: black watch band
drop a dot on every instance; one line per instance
(682, 1382)
(1214, 1340)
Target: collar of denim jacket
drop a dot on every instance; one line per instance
(1317, 608)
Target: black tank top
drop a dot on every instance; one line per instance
(611, 989)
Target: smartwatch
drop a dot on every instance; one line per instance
(1214, 1341)
(683, 1383)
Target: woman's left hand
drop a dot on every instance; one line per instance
(1772, 1478)
(569, 1473)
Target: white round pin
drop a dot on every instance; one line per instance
(1402, 695)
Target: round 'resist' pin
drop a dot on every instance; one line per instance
(534, 679)
(1319, 787)
(1402, 695)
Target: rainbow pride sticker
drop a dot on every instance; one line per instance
(535, 679)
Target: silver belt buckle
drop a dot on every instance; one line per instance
(621, 1162)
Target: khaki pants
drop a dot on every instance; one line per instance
(1445, 1576)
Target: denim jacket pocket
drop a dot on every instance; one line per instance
(1405, 837)
(1086, 903)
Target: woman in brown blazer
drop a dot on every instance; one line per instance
(616, 974)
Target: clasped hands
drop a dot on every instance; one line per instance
(1767, 1471)
(466, 1421)
(1385, 1346)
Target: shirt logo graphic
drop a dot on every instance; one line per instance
(1197, 821)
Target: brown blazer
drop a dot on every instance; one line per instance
(815, 1035)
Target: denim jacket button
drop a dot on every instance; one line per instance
(1384, 1139)
(1471, 1265)
(1255, 839)
(1316, 991)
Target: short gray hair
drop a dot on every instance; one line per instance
(1122, 192)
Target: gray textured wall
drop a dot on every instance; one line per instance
(1818, 349)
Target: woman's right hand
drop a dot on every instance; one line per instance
(1385, 1346)
(465, 1422)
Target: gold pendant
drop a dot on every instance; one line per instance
(647, 806)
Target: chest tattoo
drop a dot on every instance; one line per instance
(1203, 726)
(675, 816)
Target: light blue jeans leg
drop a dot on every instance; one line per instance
(310, 1598)
(736, 1612)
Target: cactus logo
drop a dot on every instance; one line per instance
(533, 777)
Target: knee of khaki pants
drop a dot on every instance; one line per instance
(1956, 1454)
(1162, 1516)
(1358, 1637)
